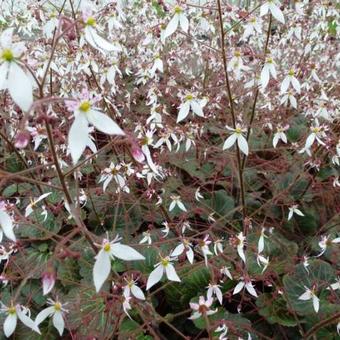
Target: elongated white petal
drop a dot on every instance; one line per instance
(240, 252)
(104, 123)
(305, 296)
(238, 287)
(181, 206)
(78, 137)
(58, 322)
(184, 22)
(172, 205)
(296, 85)
(137, 292)
(196, 108)
(149, 160)
(183, 111)
(316, 303)
(6, 38)
(26, 320)
(285, 85)
(230, 141)
(20, 87)
(44, 314)
(171, 273)
(310, 140)
(277, 13)
(97, 42)
(190, 255)
(264, 9)
(7, 225)
(276, 139)
(10, 324)
(243, 144)
(265, 76)
(178, 250)
(251, 289)
(155, 276)
(172, 26)
(260, 246)
(126, 253)
(101, 269)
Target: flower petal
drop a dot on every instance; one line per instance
(172, 26)
(7, 225)
(243, 144)
(125, 253)
(171, 273)
(101, 269)
(230, 141)
(137, 292)
(45, 313)
(183, 111)
(238, 287)
(10, 324)
(58, 322)
(155, 276)
(104, 123)
(78, 137)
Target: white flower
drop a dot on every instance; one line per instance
(204, 247)
(325, 242)
(290, 79)
(317, 132)
(223, 329)
(93, 38)
(214, 289)
(48, 281)
(280, 135)
(176, 201)
(195, 105)
(218, 246)
(240, 246)
(32, 205)
(166, 229)
(253, 26)
(198, 195)
(237, 135)
(12, 76)
(288, 98)
(13, 314)
(146, 141)
(202, 307)
(112, 172)
(267, 70)
(132, 288)
(310, 294)
(305, 262)
(110, 250)
(127, 306)
(274, 7)
(6, 226)
(186, 246)
(86, 114)
(157, 66)
(261, 260)
(294, 210)
(236, 65)
(165, 266)
(225, 271)
(56, 311)
(146, 238)
(178, 19)
(245, 283)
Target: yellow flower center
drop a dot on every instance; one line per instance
(107, 247)
(291, 73)
(145, 140)
(253, 20)
(165, 262)
(85, 106)
(269, 61)
(91, 21)
(178, 10)
(189, 97)
(237, 54)
(238, 130)
(7, 55)
(12, 311)
(57, 306)
(316, 129)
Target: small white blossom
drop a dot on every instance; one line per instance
(237, 135)
(214, 289)
(132, 289)
(6, 226)
(294, 210)
(202, 307)
(179, 19)
(29, 208)
(274, 7)
(310, 294)
(195, 105)
(245, 283)
(176, 201)
(290, 79)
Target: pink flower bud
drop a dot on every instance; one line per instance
(22, 139)
(48, 281)
(138, 154)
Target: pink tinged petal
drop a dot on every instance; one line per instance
(230, 141)
(196, 108)
(58, 322)
(243, 144)
(3, 75)
(28, 322)
(183, 111)
(78, 137)
(101, 269)
(155, 276)
(125, 253)
(195, 316)
(137, 292)
(310, 140)
(10, 324)
(238, 287)
(184, 22)
(20, 87)
(44, 314)
(172, 26)
(178, 250)
(251, 289)
(277, 13)
(316, 303)
(194, 306)
(171, 273)
(6, 38)
(104, 123)
(7, 225)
